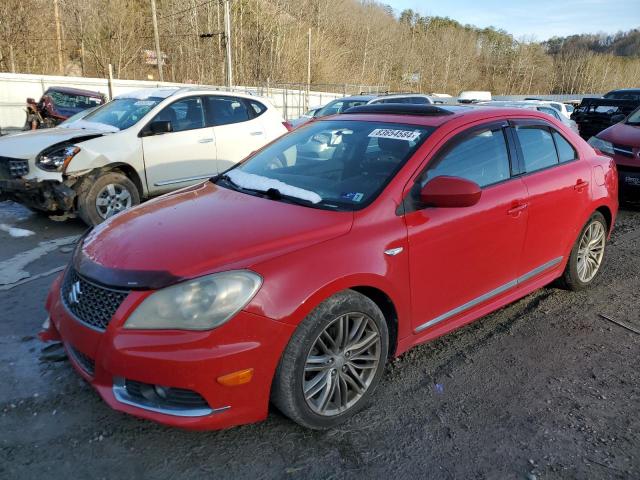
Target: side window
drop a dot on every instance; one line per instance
(481, 157)
(257, 108)
(566, 152)
(225, 110)
(538, 149)
(185, 114)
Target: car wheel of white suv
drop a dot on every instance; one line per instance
(104, 196)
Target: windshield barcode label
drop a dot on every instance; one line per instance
(408, 135)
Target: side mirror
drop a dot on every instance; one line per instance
(618, 118)
(157, 127)
(450, 192)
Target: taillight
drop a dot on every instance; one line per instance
(288, 126)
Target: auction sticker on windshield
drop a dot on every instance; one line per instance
(408, 135)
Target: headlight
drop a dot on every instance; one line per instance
(200, 304)
(57, 158)
(602, 145)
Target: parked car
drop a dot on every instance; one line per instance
(297, 284)
(563, 108)
(473, 96)
(622, 143)
(539, 105)
(407, 98)
(341, 105)
(304, 118)
(141, 144)
(57, 104)
(594, 115)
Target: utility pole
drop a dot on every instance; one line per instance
(308, 68)
(56, 14)
(156, 37)
(227, 42)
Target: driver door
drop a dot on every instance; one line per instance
(183, 156)
(462, 257)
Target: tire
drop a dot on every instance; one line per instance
(112, 190)
(573, 277)
(350, 309)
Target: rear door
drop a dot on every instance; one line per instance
(238, 131)
(558, 187)
(183, 156)
(462, 257)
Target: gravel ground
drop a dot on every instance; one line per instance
(544, 388)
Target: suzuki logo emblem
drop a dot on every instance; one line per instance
(74, 294)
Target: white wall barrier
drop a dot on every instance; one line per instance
(15, 88)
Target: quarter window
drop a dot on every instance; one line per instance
(538, 149)
(257, 107)
(566, 152)
(185, 114)
(225, 110)
(481, 158)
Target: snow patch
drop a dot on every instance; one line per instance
(11, 212)
(258, 182)
(87, 125)
(145, 93)
(15, 232)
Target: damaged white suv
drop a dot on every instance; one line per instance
(139, 145)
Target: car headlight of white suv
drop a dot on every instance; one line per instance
(203, 303)
(56, 159)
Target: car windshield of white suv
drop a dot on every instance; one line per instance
(122, 113)
(336, 164)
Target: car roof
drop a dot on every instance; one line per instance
(356, 97)
(166, 92)
(431, 115)
(74, 91)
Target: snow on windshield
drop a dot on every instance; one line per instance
(84, 124)
(258, 182)
(146, 93)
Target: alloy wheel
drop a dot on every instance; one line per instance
(591, 251)
(112, 199)
(341, 364)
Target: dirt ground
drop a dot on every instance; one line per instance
(544, 388)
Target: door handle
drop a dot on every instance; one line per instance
(580, 185)
(516, 210)
(257, 133)
(205, 140)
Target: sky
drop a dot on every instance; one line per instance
(533, 19)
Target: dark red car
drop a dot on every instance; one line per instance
(297, 274)
(58, 104)
(622, 143)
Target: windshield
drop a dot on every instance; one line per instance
(123, 112)
(634, 117)
(339, 106)
(338, 164)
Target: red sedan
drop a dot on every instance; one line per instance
(295, 276)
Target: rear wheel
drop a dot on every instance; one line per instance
(333, 362)
(587, 254)
(102, 197)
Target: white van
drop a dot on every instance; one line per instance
(473, 96)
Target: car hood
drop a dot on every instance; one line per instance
(28, 144)
(199, 230)
(622, 134)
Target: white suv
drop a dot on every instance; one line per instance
(139, 145)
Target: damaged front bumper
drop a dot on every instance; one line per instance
(45, 195)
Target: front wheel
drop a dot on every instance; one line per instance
(587, 254)
(104, 196)
(333, 362)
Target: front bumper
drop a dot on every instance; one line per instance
(177, 359)
(47, 195)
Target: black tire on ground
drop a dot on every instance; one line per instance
(570, 278)
(287, 390)
(91, 186)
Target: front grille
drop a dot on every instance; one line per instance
(92, 304)
(13, 167)
(166, 397)
(85, 362)
(623, 150)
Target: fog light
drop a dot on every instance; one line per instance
(236, 378)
